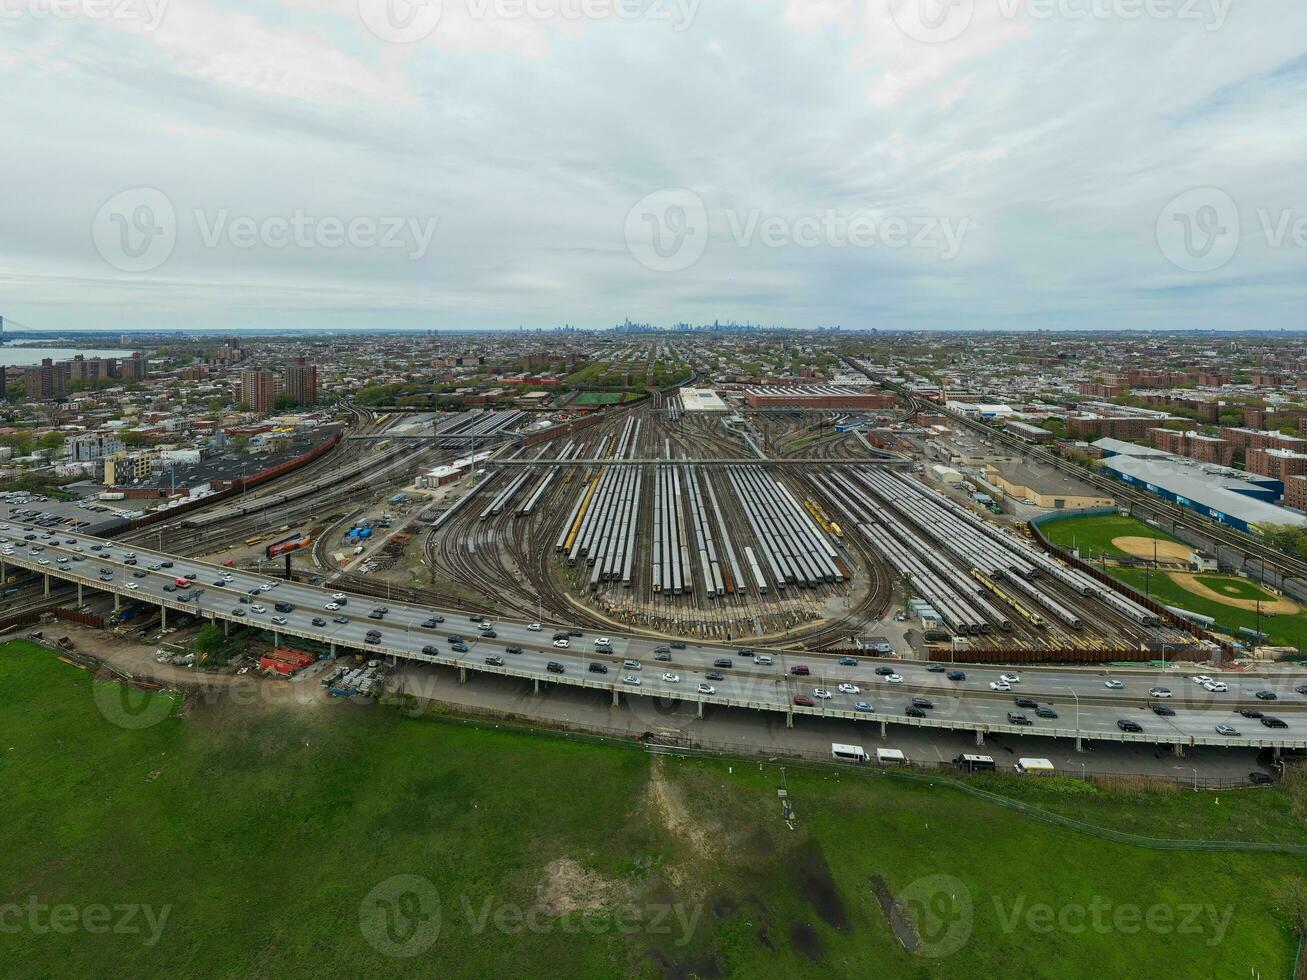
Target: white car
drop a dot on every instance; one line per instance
(534, 627)
(707, 689)
(43, 561)
(671, 678)
(133, 586)
(1216, 687)
(631, 679)
(1010, 678)
(337, 596)
(894, 679)
(849, 689)
(1202, 679)
(485, 626)
(269, 586)
(561, 644)
(1113, 685)
(259, 609)
(332, 606)
(1159, 692)
(1000, 686)
(603, 641)
(821, 693)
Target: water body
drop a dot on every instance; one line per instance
(33, 355)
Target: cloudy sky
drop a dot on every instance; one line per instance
(494, 163)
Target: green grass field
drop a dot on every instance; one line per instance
(1094, 534)
(340, 839)
(598, 398)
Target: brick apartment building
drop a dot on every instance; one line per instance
(1100, 389)
(1295, 492)
(1277, 464)
(1246, 439)
(1110, 427)
(1195, 445)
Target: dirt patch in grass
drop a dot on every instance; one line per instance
(568, 887)
(1141, 547)
(668, 802)
(1278, 605)
(903, 929)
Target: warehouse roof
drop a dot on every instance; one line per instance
(1209, 486)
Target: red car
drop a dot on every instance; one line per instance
(803, 701)
(801, 670)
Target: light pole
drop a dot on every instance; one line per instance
(1076, 697)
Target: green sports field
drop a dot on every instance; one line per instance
(1094, 535)
(351, 840)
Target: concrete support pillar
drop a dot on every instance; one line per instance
(617, 698)
(884, 729)
(1080, 744)
(789, 719)
(3, 572)
(47, 585)
(700, 709)
(226, 627)
(163, 617)
(1177, 750)
(276, 639)
(1275, 753)
(332, 647)
(980, 737)
(462, 674)
(117, 602)
(79, 593)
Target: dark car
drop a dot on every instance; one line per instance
(554, 667)
(433, 622)
(744, 652)
(1301, 689)
(920, 702)
(723, 662)
(431, 651)
(1013, 718)
(1045, 712)
(574, 633)
(714, 675)
(801, 670)
(459, 647)
(513, 649)
(136, 574)
(219, 583)
(454, 639)
(319, 621)
(489, 635)
(376, 614)
(884, 671)
(1271, 721)
(165, 564)
(915, 712)
(935, 668)
(678, 644)
(495, 661)
(1267, 696)
(340, 619)
(847, 661)
(598, 668)
(1026, 703)
(282, 606)
(129, 561)
(1250, 712)
(803, 700)
(561, 635)
(957, 675)
(476, 618)
(1261, 779)
(1129, 726)
(662, 654)
(372, 639)
(1163, 710)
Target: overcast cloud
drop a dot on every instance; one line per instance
(895, 163)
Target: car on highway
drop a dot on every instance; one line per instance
(554, 667)
(1024, 702)
(862, 706)
(489, 635)
(632, 665)
(485, 626)
(800, 670)
(678, 644)
(1270, 721)
(956, 675)
(495, 661)
(631, 679)
(219, 583)
(748, 652)
(803, 701)
(562, 644)
(936, 668)
(459, 647)
(331, 606)
(1010, 678)
(433, 622)
(1044, 711)
(319, 621)
(1000, 686)
(762, 660)
(44, 561)
(574, 633)
(339, 596)
(723, 662)
(514, 649)
(256, 607)
(714, 675)
(883, 671)
(340, 619)
(372, 639)
(1266, 696)
(1201, 679)
(1250, 712)
(431, 651)
(535, 627)
(1113, 685)
(706, 689)
(821, 693)
(1163, 710)
(1301, 688)
(603, 641)
(849, 689)
(376, 614)
(279, 620)
(1229, 730)
(1159, 692)
(1015, 718)
(671, 678)
(913, 712)
(664, 655)
(848, 662)
(454, 638)
(1126, 725)
(238, 611)
(894, 679)
(1216, 687)
(133, 586)
(597, 668)
(920, 702)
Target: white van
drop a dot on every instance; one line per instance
(1037, 766)
(848, 753)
